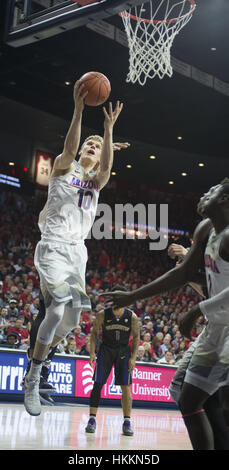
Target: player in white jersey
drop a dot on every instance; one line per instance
(209, 367)
(212, 406)
(65, 222)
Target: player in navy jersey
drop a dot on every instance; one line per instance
(117, 325)
(208, 369)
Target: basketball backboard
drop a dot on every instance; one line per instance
(30, 21)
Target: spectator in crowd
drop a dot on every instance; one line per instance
(79, 338)
(177, 339)
(26, 312)
(167, 358)
(180, 350)
(13, 341)
(71, 346)
(4, 324)
(149, 329)
(89, 324)
(22, 332)
(145, 320)
(141, 353)
(95, 280)
(158, 326)
(34, 308)
(146, 338)
(166, 344)
(139, 310)
(29, 260)
(160, 336)
(156, 344)
(18, 267)
(147, 352)
(12, 310)
(62, 346)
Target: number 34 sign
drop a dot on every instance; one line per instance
(44, 164)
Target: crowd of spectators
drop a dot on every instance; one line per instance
(125, 262)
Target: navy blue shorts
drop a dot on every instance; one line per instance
(117, 357)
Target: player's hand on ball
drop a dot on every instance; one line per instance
(79, 95)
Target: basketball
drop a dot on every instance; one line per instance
(98, 87)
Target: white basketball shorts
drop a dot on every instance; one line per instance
(62, 267)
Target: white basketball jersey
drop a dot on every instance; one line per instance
(217, 270)
(71, 206)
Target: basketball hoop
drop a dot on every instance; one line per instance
(150, 37)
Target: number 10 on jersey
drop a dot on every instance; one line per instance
(85, 199)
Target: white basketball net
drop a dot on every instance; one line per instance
(151, 28)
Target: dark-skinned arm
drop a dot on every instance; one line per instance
(99, 320)
(135, 330)
(173, 279)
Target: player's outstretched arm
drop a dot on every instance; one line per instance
(72, 140)
(94, 335)
(173, 279)
(107, 155)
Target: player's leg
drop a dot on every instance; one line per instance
(93, 407)
(179, 376)
(36, 324)
(123, 378)
(104, 363)
(126, 408)
(45, 335)
(54, 269)
(191, 404)
(48, 336)
(212, 405)
(44, 387)
(69, 321)
(215, 413)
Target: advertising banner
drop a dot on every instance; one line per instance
(13, 366)
(73, 377)
(150, 383)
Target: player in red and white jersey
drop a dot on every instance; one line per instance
(209, 366)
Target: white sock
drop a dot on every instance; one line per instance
(35, 371)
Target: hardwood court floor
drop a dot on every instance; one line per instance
(62, 427)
